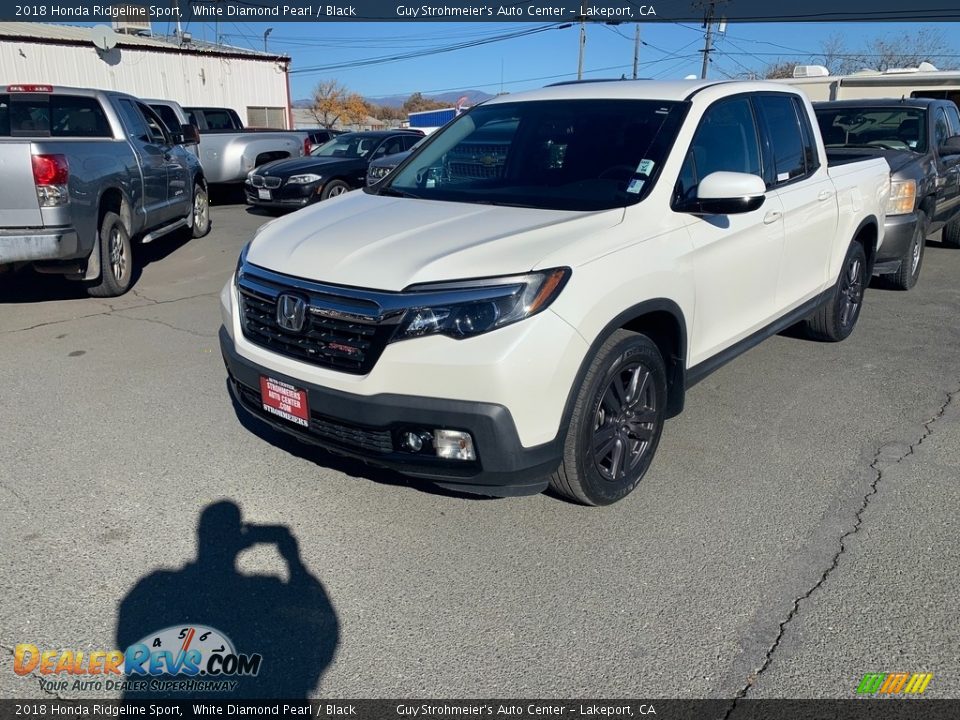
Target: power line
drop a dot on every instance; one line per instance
(415, 54)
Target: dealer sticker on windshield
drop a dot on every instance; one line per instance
(635, 186)
(645, 167)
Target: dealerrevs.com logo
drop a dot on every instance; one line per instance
(177, 658)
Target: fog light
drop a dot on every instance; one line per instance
(454, 445)
(412, 442)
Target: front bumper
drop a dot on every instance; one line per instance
(897, 236)
(286, 196)
(33, 245)
(369, 427)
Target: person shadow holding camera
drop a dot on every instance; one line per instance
(291, 624)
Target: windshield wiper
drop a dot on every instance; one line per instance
(394, 192)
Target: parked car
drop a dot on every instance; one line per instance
(537, 328)
(87, 174)
(330, 170)
(919, 139)
(228, 151)
(316, 138)
(378, 169)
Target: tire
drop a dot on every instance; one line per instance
(835, 319)
(334, 188)
(116, 258)
(912, 260)
(201, 211)
(611, 416)
(951, 234)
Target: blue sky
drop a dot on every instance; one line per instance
(670, 51)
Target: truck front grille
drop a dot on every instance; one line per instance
(326, 338)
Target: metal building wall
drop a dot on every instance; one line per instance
(190, 79)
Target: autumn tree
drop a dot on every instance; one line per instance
(333, 103)
(418, 103)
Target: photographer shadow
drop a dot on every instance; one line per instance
(290, 623)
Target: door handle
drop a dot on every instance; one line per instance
(771, 217)
(824, 195)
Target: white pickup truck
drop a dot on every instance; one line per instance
(527, 298)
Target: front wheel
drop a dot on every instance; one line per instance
(616, 423)
(951, 234)
(201, 211)
(835, 319)
(911, 261)
(334, 188)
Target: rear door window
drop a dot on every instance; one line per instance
(52, 116)
(778, 115)
(954, 116)
(218, 120)
(168, 116)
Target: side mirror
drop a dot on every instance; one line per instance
(189, 135)
(726, 193)
(950, 146)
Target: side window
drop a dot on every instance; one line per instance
(393, 145)
(158, 135)
(168, 116)
(72, 116)
(810, 157)
(4, 116)
(726, 140)
(409, 141)
(941, 130)
(954, 117)
(192, 117)
(133, 121)
(218, 120)
(778, 115)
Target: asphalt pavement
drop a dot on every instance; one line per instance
(798, 527)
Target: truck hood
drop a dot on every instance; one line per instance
(387, 243)
(896, 159)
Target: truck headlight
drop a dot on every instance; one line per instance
(903, 196)
(303, 179)
(464, 309)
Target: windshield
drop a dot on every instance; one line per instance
(555, 154)
(349, 145)
(885, 128)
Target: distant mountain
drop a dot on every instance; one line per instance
(448, 98)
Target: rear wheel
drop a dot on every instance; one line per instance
(116, 258)
(616, 423)
(951, 234)
(911, 261)
(334, 188)
(835, 320)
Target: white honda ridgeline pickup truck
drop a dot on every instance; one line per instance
(527, 297)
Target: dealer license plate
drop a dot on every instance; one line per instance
(285, 401)
(263, 193)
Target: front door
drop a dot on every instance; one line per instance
(151, 150)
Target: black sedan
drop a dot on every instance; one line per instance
(334, 168)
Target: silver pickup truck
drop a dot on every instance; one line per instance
(86, 173)
(228, 151)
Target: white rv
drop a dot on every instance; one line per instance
(924, 82)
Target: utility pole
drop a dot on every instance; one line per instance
(636, 49)
(708, 39)
(583, 44)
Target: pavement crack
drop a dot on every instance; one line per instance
(114, 310)
(10, 651)
(195, 333)
(878, 465)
